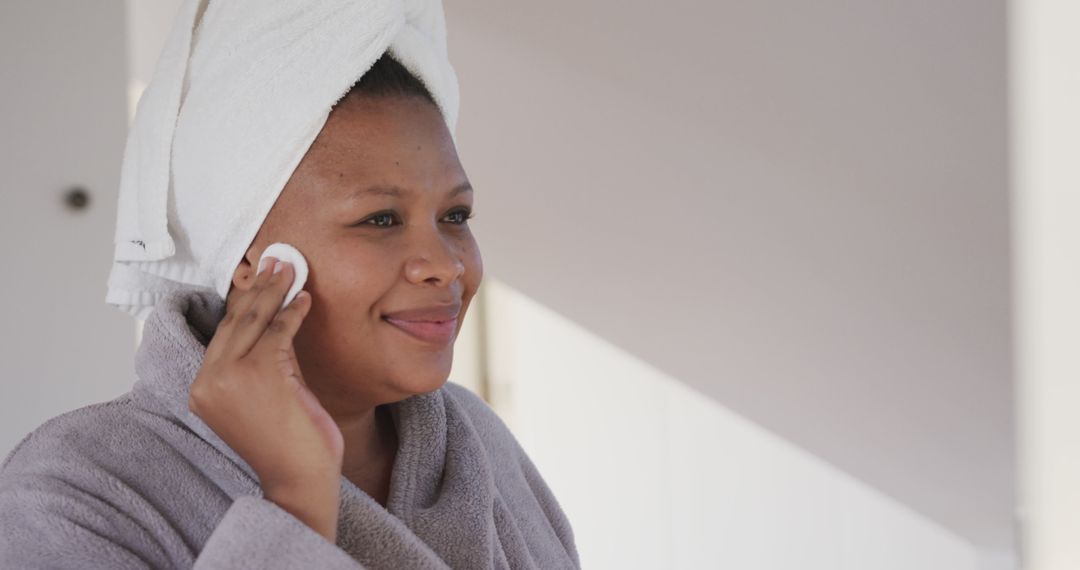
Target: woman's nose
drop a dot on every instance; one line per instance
(435, 257)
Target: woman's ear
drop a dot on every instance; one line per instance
(244, 275)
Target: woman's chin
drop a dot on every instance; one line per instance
(422, 382)
(416, 389)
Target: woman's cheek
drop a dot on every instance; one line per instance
(479, 259)
(475, 263)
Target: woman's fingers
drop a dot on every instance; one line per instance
(277, 338)
(237, 303)
(250, 323)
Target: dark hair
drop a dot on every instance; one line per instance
(388, 78)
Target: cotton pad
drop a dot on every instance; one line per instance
(285, 252)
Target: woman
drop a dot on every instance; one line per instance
(320, 435)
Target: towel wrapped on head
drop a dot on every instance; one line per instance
(240, 91)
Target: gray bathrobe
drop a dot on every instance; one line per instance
(141, 482)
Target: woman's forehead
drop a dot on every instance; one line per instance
(382, 120)
(363, 179)
(382, 138)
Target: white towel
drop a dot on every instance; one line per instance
(240, 91)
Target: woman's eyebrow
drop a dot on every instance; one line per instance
(398, 191)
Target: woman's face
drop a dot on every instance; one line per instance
(378, 207)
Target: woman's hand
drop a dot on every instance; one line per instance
(249, 390)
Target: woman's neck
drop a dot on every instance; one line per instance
(370, 450)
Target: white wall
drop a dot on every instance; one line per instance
(653, 474)
(62, 123)
(799, 209)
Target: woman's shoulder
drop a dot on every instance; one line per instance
(81, 482)
(113, 438)
(112, 477)
(64, 436)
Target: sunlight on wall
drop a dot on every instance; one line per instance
(135, 91)
(1046, 204)
(654, 475)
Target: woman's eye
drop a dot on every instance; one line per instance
(460, 217)
(379, 217)
(465, 213)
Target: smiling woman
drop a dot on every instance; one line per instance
(322, 434)
(376, 256)
(389, 292)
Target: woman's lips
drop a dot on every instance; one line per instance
(440, 333)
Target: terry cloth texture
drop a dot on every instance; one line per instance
(142, 482)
